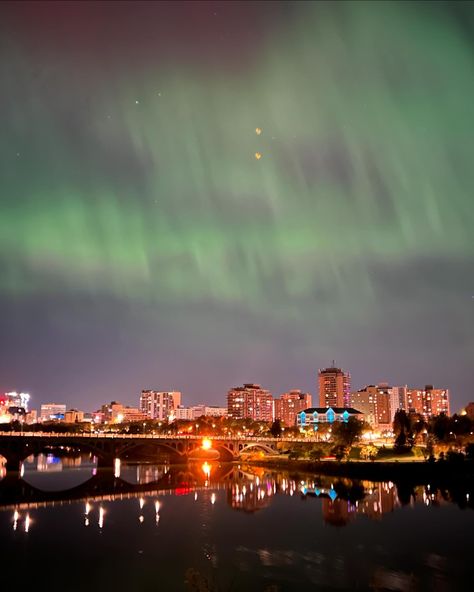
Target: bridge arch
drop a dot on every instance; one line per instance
(257, 445)
(174, 449)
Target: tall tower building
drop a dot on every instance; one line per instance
(251, 401)
(334, 387)
(159, 404)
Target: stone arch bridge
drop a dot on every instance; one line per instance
(16, 447)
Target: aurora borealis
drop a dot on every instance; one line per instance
(142, 245)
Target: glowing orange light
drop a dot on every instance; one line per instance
(258, 155)
(258, 130)
(206, 469)
(206, 444)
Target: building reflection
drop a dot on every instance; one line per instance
(250, 497)
(246, 488)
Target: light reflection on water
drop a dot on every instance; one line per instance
(217, 524)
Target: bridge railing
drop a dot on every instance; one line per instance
(99, 435)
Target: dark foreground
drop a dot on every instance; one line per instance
(210, 526)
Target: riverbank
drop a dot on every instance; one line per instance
(415, 472)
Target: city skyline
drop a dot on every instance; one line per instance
(143, 242)
(409, 397)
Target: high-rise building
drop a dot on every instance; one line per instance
(435, 401)
(382, 405)
(414, 401)
(398, 397)
(334, 387)
(52, 411)
(159, 404)
(290, 404)
(250, 401)
(428, 401)
(374, 401)
(364, 401)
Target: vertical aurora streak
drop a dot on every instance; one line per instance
(142, 240)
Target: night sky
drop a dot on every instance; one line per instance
(142, 244)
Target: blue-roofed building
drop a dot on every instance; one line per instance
(315, 415)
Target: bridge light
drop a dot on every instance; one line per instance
(27, 523)
(101, 517)
(206, 444)
(206, 469)
(116, 468)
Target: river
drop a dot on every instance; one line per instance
(215, 527)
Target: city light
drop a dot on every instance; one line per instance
(206, 444)
(117, 468)
(206, 469)
(101, 517)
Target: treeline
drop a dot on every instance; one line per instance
(454, 432)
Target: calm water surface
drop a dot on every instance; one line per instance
(211, 526)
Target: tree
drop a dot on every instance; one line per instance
(440, 427)
(417, 425)
(402, 428)
(316, 454)
(469, 452)
(340, 451)
(429, 450)
(294, 454)
(275, 429)
(368, 452)
(346, 433)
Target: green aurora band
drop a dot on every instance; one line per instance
(144, 187)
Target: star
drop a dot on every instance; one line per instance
(137, 102)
